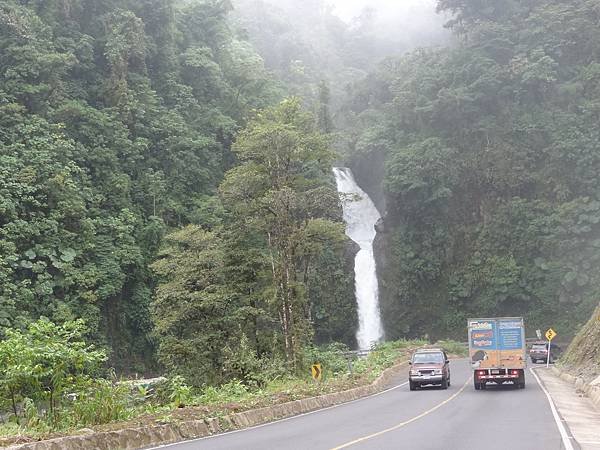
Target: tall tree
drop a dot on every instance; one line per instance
(283, 189)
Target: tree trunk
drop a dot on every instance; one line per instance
(14, 405)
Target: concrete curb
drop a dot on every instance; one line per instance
(592, 392)
(137, 438)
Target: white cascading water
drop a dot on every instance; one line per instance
(361, 215)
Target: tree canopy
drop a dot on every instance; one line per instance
(116, 125)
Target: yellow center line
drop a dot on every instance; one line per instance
(400, 425)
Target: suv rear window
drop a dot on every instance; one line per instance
(538, 347)
(429, 357)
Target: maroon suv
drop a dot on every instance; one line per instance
(429, 366)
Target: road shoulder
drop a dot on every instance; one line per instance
(577, 411)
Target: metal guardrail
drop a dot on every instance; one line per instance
(357, 353)
(353, 355)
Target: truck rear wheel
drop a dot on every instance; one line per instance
(477, 385)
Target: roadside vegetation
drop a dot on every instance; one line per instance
(582, 358)
(52, 384)
(453, 348)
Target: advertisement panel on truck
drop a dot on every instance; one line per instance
(511, 343)
(497, 343)
(482, 343)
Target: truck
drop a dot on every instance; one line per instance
(497, 351)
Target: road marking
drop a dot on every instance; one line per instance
(218, 435)
(400, 425)
(561, 427)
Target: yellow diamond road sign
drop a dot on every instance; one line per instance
(550, 334)
(317, 373)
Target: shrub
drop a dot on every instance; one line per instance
(233, 391)
(101, 402)
(331, 357)
(453, 347)
(43, 360)
(180, 394)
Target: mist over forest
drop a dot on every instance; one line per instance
(336, 42)
(412, 22)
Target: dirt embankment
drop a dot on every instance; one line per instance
(582, 358)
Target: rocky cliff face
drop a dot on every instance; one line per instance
(369, 172)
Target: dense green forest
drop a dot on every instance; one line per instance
(117, 122)
(158, 181)
(490, 158)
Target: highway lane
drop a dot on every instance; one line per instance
(457, 418)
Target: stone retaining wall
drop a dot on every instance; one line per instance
(137, 438)
(591, 391)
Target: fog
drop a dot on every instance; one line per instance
(340, 41)
(412, 22)
(349, 9)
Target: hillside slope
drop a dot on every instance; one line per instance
(583, 355)
(490, 160)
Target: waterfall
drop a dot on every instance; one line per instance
(361, 215)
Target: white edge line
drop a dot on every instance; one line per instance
(561, 427)
(280, 420)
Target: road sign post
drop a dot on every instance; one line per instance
(550, 334)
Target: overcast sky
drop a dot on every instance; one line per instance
(347, 9)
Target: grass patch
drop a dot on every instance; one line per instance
(454, 348)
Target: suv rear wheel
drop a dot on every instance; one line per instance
(444, 383)
(412, 385)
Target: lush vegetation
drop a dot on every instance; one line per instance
(42, 363)
(232, 299)
(117, 122)
(50, 378)
(489, 153)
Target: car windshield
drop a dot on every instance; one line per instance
(538, 347)
(431, 358)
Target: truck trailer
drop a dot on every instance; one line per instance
(497, 351)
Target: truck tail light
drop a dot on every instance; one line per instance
(515, 372)
(480, 373)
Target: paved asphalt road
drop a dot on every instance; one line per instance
(458, 418)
